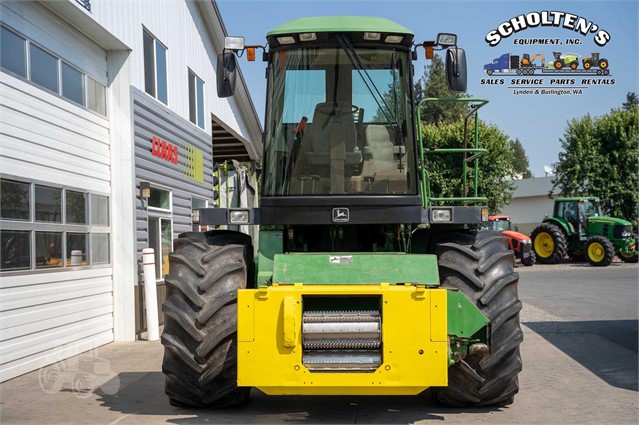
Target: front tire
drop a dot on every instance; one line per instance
(549, 244)
(530, 260)
(599, 251)
(200, 326)
(480, 265)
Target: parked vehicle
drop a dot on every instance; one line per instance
(365, 282)
(518, 242)
(578, 229)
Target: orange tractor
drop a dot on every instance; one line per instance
(518, 242)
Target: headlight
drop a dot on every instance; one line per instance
(239, 217)
(626, 234)
(484, 214)
(440, 215)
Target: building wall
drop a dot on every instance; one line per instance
(530, 203)
(46, 315)
(180, 26)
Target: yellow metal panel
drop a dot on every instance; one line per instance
(290, 319)
(439, 316)
(245, 316)
(411, 361)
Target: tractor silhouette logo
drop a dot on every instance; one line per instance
(81, 375)
(340, 215)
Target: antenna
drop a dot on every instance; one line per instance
(547, 170)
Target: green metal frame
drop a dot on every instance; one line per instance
(475, 152)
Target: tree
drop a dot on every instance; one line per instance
(445, 170)
(631, 100)
(520, 160)
(433, 84)
(601, 158)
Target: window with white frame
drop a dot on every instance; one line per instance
(49, 71)
(155, 70)
(160, 222)
(44, 226)
(196, 100)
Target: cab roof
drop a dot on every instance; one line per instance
(340, 24)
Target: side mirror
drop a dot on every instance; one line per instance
(226, 74)
(516, 228)
(456, 69)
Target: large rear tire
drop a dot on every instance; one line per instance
(480, 265)
(549, 244)
(200, 319)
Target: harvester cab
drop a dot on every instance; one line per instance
(364, 281)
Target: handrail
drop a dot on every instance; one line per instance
(475, 104)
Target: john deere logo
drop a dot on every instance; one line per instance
(340, 215)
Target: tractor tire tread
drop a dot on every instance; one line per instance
(488, 279)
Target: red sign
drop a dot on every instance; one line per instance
(163, 149)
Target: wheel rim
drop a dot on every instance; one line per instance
(544, 245)
(587, 65)
(603, 65)
(596, 252)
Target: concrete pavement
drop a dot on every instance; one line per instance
(570, 376)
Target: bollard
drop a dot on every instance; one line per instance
(150, 295)
(76, 257)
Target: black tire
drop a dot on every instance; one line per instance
(530, 260)
(599, 251)
(633, 258)
(489, 71)
(560, 245)
(480, 265)
(200, 319)
(587, 64)
(603, 63)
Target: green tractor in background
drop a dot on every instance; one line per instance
(578, 229)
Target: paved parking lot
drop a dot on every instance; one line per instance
(580, 366)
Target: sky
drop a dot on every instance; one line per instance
(537, 120)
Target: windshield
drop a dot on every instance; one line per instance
(589, 208)
(339, 123)
(500, 225)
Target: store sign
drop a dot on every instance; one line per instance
(163, 149)
(190, 160)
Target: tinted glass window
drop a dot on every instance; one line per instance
(14, 200)
(72, 84)
(99, 210)
(76, 207)
(15, 250)
(160, 63)
(192, 101)
(96, 96)
(100, 248)
(77, 249)
(149, 65)
(160, 199)
(12, 53)
(48, 250)
(44, 68)
(200, 103)
(48, 204)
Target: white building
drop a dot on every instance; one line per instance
(95, 98)
(530, 203)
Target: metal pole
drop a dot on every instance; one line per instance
(150, 294)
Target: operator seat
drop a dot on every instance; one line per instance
(332, 130)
